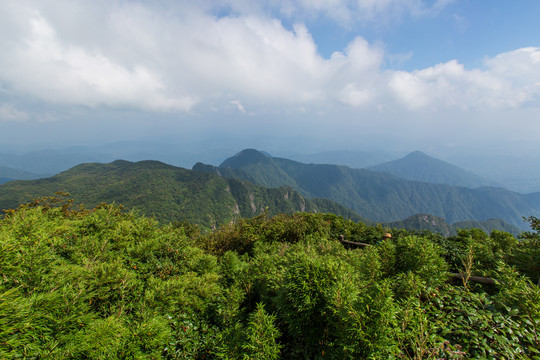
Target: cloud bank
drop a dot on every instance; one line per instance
(177, 57)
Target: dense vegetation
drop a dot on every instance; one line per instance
(382, 197)
(101, 283)
(438, 225)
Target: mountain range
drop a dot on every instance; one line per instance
(53, 161)
(381, 197)
(520, 174)
(353, 159)
(168, 193)
(247, 183)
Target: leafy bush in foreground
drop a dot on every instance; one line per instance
(103, 283)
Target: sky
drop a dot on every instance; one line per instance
(301, 75)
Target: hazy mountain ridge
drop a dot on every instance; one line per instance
(224, 172)
(377, 196)
(10, 174)
(520, 174)
(517, 173)
(167, 192)
(384, 197)
(418, 166)
(51, 161)
(353, 159)
(170, 193)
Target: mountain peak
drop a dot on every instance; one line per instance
(417, 154)
(421, 157)
(419, 166)
(245, 157)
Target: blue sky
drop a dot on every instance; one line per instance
(301, 75)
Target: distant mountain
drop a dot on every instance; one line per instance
(517, 173)
(224, 172)
(15, 174)
(8, 174)
(48, 161)
(259, 168)
(383, 197)
(421, 167)
(353, 159)
(167, 192)
(55, 161)
(437, 224)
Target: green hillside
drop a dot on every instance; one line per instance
(383, 197)
(166, 192)
(258, 167)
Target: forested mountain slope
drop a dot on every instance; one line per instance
(384, 197)
(167, 192)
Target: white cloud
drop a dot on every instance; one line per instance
(173, 57)
(43, 65)
(238, 105)
(9, 113)
(520, 68)
(355, 96)
(343, 12)
(508, 80)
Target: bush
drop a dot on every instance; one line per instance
(103, 283)
(413, 254)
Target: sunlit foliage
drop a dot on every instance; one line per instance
(103, 283)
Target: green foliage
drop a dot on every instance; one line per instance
(469, 322)
(104, 283)
(238, 237)
(521, 299)
(80, 283)
(526, 255)
(261, 336)
(483, 251)
(305, 301)
(434, 224)
(243, 234)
